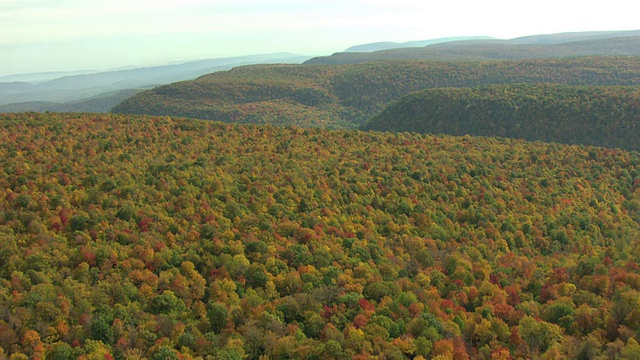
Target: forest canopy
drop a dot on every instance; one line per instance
(128, 237)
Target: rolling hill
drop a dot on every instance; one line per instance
(161, 238)
(588, 115)
(626, 43)
(346, 96)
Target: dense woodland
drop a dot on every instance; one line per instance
(588, 115)
(345, 96)
(126, 237)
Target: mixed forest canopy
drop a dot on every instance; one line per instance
(588, 115)
(345, 96)
(129, 237)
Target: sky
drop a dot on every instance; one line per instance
(68, 35)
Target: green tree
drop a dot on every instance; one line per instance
(218, 316)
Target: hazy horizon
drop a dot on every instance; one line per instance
(70, 35)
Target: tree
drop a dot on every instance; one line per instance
(539, 335)
(218, 316)
(33, 345)
(167, 303)
(101, 329)
(61, 351)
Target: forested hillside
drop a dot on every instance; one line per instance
(588, 115)
(345, 96)
(127, 237)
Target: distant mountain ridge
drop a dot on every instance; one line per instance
(43, 93)
(42, 76)
(572, 36)
(97, 104)
(377, 46)
(617, 43)
(78, 87)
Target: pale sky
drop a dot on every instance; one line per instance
(63, 35)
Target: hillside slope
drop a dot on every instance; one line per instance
(164, 238)
(601, 116)
(347, 95)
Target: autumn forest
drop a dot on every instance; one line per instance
(387, 209)
(132, 237)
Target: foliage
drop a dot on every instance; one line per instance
(162, 238)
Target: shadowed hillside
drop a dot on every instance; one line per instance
(345, 96)
(602, 116)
